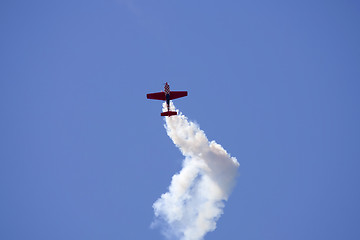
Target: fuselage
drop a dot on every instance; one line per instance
(167, 95)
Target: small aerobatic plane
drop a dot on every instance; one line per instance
(167, 95)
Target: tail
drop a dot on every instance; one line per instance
(168, 113)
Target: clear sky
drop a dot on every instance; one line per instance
(84, 154)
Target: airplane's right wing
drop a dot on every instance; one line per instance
(157, 96)
(178, 94)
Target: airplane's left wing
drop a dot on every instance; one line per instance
(157, 96)
(178, 94)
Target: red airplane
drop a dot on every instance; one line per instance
(167, 95)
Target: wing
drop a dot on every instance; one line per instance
(177, 94)
(157, 96)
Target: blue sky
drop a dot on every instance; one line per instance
(84, 154)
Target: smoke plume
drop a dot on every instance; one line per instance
(197, 193)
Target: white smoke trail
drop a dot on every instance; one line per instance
(196, 195)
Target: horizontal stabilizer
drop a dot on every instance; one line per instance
(168, 113)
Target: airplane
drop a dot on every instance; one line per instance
(167, 95)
